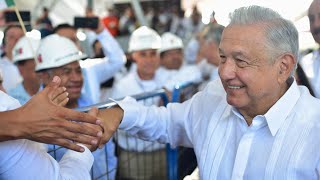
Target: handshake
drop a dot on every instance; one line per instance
(44, 119)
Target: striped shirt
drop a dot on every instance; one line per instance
(282, 144)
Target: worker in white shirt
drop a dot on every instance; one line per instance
(96, 71)
(24, 53)
(11, 75)
(255, 122)
(149, 160)
(173, 68)
(59, 56)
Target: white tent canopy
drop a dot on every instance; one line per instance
(63, 11)
(295, 10)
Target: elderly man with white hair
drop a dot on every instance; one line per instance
(255, 122)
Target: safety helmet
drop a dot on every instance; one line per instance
(170, 41)
(25, 49)
(55, 51)
(144, 38)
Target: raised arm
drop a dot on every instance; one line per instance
(97, 71)
(114, 55)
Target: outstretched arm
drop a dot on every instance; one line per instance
(41, 120)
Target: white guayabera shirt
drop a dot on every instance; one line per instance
(282, 144)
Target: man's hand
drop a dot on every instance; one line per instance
(41, 120)
(100, 28)
(111, 119)
(59, 96)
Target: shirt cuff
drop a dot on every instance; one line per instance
(129, 111)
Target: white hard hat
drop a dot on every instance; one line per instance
(56, 51)
(25, 49)
(170, 41)
(144, 38)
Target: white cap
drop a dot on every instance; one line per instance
(55, 51)
(25, 49)
(144, 38)
(170, 41)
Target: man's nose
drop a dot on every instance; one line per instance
(227, 69)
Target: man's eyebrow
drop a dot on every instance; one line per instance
(66, 68)
(71, 68)
(235, 53)
(238, 53)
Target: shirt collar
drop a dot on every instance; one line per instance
(278, 113)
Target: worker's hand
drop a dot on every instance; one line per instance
(111, 119)
(100, 28)
(43, 121)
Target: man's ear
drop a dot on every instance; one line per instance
(286, 66)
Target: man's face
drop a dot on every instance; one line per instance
(12, 36)
(71, 78)
(172, 59)
(147, 62)
(247, 74)
(26, 69)
(314, 19)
